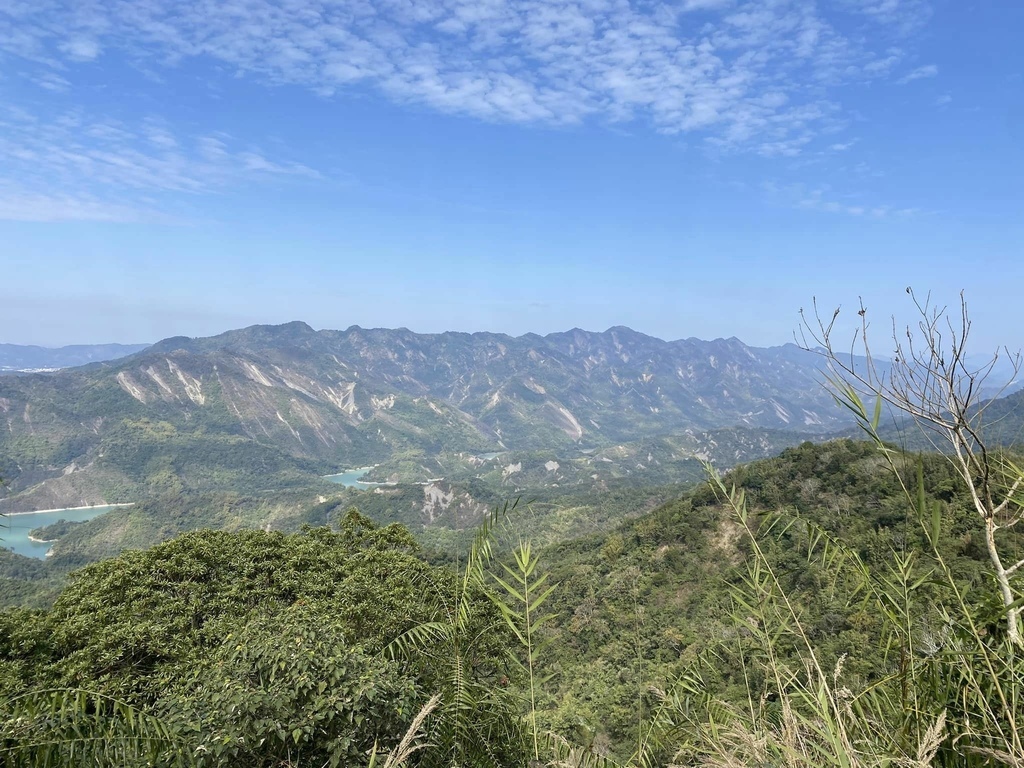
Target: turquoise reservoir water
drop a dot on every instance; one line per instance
(351, 478)
(16, 527)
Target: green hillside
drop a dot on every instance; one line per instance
(638, 606)
(271, 407)
(648, 624)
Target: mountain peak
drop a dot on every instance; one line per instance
(627, 330)
(293, 328)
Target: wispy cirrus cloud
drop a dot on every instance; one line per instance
(756, 75)
(903, 15)
(817, 201)
(107, 170)
(704, 5)
(824, 199)
(759, 76)
(929, 70)
(30, 206)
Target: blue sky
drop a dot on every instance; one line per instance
(688, 168)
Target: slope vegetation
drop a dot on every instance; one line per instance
(273, 406)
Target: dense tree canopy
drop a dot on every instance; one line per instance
(261, 647)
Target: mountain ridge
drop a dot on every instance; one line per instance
(290, 401)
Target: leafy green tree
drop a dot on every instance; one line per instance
(266, 649)
(290, 688)
(132, 620)
(466, 648)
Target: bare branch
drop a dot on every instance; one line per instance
(931, 383)
(1009, 496)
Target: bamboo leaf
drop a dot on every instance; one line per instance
(877, 417)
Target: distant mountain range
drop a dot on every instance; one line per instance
(270, 406)
(17, 358)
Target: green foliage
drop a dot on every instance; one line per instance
(133, 618)
(260, 648)
(158, 457)
(524, 595)
(679, 565)
(54, 530)
(69, 727)
(288, 688)
(476, 720)
(813, 614)
(945, 692)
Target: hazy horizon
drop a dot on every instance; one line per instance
(846, 330)
(374, 328)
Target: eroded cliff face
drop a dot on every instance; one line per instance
(291, 400)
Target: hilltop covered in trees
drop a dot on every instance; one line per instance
(644, 622)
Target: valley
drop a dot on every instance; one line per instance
(22, 535)
(274, 407)
(280, 425)
(251, 428)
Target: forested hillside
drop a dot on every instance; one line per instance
(844, 602)
(644, 629)
(641, 606)
(276, 406)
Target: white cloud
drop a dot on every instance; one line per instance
(81, 48)
(104, 168)
(750, 74)
(762, 76)
(822, 198)
(43, 208)
(901, 15)
(943, 100)
(51, 81)
(929, 70)
(816, 201)
(883, 65)
(703, 5)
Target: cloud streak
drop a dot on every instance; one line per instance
(929, 70)
(823, 199)
(755, 75)
(133, 166)
(28, 206)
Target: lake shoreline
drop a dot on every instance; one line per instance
(352, 478)
(364, 470)
(67, 509)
